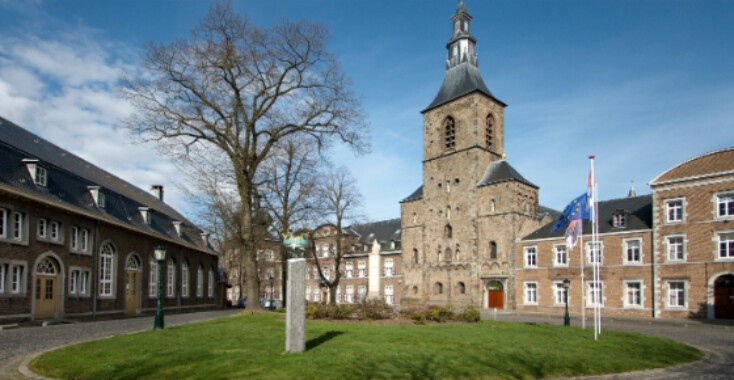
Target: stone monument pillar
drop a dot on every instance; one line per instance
(295, 323)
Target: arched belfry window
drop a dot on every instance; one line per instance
(493, 250)
(488, 128)
(450, 128)
(448, 231)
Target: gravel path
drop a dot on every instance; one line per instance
(716, 338)
(18, 344)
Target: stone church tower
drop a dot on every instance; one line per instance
(459, 228)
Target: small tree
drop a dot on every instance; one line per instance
(239, 89)
(341, 200)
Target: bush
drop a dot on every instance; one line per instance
(342, 311)
(471, 315)
(375, 309)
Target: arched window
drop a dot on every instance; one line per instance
(210, 283)
(415, 290)
(153, 284)
(448, 232)
(448, 254)
(415, 255)
(200, 281)
(457, 253)
(440, 254)
(171, 283)
(488, 127)
(438, 288)
(461, 288)
(492, 250)
(450, 133)
(106, 269)
(185, 279)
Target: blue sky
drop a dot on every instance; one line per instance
(643, 85)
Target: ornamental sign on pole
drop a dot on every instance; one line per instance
(296, 242)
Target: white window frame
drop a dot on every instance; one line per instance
(683, 244)
(42, 228)
(17, 278)
(625, 251)
(84, 282)
(55, 232)
(3, 276)
(349, 269)
(389, 269)
(84, 239)
(41, 177)
(153, 279)
(350, 293)
(199, 282)
(74, 277)
(728, 205)
(530, 293)
(559, 292)
(729, 234)
(210, 283)
(3, 223)
(389, 295)
(107, 271)
(589, 252)
(668, 294)
(556, 251)
(530, 255)
(668, 207)
(591, 289)
(74, 243)
(170, 278)
(627, 288)
(185, 279)
(18, 220)
(362, 269)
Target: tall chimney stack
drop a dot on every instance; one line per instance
(157, 190)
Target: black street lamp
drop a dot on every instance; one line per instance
(272, 290)
(567, 318)
(159, 252)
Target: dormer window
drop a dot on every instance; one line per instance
(619, 219)
(177, 227)
(39, 174)
(145, 213)
(205, 238)
(97, 196)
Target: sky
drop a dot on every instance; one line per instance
(642, 85)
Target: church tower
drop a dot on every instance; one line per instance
(459, 227)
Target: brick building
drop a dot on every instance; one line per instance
(78, 241)
(459, 228)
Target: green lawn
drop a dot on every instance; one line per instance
(251, 346)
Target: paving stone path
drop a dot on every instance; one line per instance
(18, 344)
(714, 337)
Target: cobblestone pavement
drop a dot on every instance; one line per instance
(18, 344)
(716, 338)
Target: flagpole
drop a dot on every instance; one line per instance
(594, 248)
(598, 272)
(583, 293)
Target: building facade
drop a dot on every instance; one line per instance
(78, 241)
(459, 228)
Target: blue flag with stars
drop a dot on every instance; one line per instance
(576, 210)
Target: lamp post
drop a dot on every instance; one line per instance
(567, 318)
(160, 254)
(272, 290)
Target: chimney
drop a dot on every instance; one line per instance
(157, 190)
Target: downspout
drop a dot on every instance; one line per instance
(95, 252)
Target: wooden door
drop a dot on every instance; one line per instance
(131, 292)
(46, 299)
(724, 297)
(496, 299)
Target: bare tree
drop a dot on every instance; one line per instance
(289, 189)
(342, 202)
(240, 89)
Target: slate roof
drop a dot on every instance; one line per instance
(384, 231)
(501, 171)
(638, 211)
(417, 194)
(68, 179)
(553, 213)
(460, 80)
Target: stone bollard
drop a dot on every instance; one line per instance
(295, 323)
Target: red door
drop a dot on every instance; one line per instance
(724, 297)
(496, 299)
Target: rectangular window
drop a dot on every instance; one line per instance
(349, 272)
(725, 205)
(3, 276)
(84, 240)
(105, 275)
(184, 280)
(200, 282)
(561, 255)
(3, 223)
(632, 294)
(594, 252)
(559, 293)
(362, 269)
(726, 246)
(171, 283)
(676, 250)
(83, 281)
(42, 228)
(361, 293)
(676, 294)
(531, 257)
(531, 293)
(16, 281)
(619, 220)
(632, 254)
(674, 210)
(17, 226)
(75, 238)
(594, 293)
(153, 279)
(210, 284)
(74, 281)
(389, 270)
(41, 176)
(54, 233)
